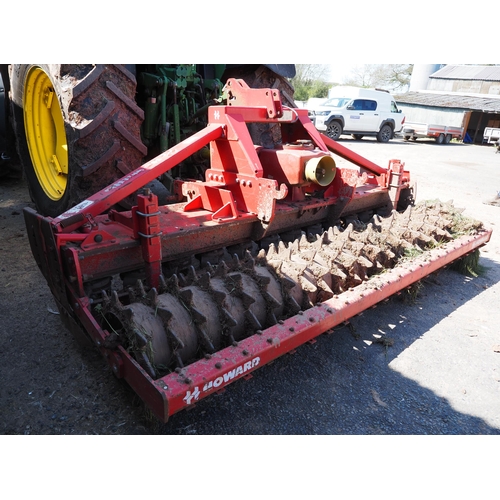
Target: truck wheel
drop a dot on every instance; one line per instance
(334, 130)
(384, 134)
(440, 139)
(447, 139)
(77, 128)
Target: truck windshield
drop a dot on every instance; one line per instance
(336, 102)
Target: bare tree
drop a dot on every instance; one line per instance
(387, 76)
(307, 73)
(361, 76)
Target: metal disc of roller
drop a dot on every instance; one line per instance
(205, 315)
(234, 309)
(144, 323)
(254, 303)
(232, 301)
(272, 289)
(179, 326)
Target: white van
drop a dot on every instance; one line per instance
(359, 112)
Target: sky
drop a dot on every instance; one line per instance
(340, 35)
(340, 71)
(315, 32)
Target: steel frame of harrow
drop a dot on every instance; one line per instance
(55, 242)
(183, 388)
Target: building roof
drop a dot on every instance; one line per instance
(468, 72)
(474, 102)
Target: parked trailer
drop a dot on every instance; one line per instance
(442, 134)
(491, 135)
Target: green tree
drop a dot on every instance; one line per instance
(310, 81)
(320, 88)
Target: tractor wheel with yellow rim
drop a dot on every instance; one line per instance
(77, 129)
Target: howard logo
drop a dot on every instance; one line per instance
(226, 377)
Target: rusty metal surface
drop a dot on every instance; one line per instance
(112, 263)
(237, 295)
(207, 376)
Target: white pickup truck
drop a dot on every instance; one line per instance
(442, 134)
(358, 112)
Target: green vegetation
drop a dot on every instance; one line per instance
(310, 80)
(469, 265)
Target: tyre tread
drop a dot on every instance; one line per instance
(103, 129)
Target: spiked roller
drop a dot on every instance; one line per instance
(273, 248)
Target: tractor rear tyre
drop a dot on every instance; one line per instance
(77, 129)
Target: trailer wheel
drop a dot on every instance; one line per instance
(384, 134)
(334, 130)
(447, 139)
(77, 128)
(440, 139)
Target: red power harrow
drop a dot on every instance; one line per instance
(250, 194)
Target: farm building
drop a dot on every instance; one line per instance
(455, 95)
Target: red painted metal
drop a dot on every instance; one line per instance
(204, 377)
(353, 157)
(240, 94)
(248, 191)
(146, 218)
(237, 182)
(127, 185)
(172, 393)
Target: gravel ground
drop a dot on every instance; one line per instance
(440, 376)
